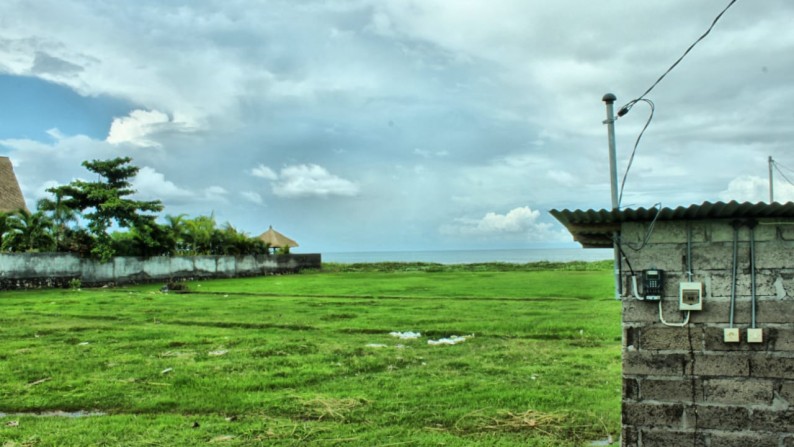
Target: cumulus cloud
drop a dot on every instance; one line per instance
(45, 64)
(253, 197)
(564, 178)
(216, 193)
(264, 172)
(137, 127)
(518, 221)
(311, 180)
(143, 128)
(153, 185)
(749, 188)
(41, 192)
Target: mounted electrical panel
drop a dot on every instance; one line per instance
(690, 296)
(653, 284)
(755, 335)
(731, 335)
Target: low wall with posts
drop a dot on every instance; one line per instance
(687, 386)
(30, 270)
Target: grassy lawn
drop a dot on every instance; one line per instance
(309, 360)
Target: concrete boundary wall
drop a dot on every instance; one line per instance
(31, 270)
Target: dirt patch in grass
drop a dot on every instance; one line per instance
(242, 325)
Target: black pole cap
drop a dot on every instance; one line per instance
(609, 98)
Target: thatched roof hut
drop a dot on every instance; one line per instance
(10, 195)
(276, 239)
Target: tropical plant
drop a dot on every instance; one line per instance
(5, 226)
(230, 241)
(78, 241)
(177, 229)
(29, 232)
(60, 213)
(198, 236)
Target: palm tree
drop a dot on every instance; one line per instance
(29, 232)
(198, 234)
(5, 226)
(177, 228)
(60, 213)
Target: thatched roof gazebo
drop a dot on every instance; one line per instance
(10, 195)
(276, 240)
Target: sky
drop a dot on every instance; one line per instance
(370, 125)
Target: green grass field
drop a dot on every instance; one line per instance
(307, 359)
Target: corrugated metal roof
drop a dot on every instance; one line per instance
(594, 228)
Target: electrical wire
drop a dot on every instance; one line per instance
(774, 163)
(648, 233)
(625, 109)
(689, 250)
(752, 276)
(625, 258)
(689, 273)
(628, 106)
(667, 323)
(734, 272)
(634, 151)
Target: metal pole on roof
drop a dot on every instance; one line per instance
(771, 190)
(610, 99)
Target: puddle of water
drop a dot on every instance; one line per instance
(61, 414)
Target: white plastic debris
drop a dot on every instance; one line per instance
(166, 371)
(406, 335)
(218, 352)
(376, 345)
(452, 340)
(83, 343)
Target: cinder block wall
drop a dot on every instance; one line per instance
(33, 270)
(684, 386)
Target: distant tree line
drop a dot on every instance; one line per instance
(99, 220)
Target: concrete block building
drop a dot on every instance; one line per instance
(708, 320)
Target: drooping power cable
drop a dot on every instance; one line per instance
(634, 151)
(625, 109)
(774, 163)
(777, 163)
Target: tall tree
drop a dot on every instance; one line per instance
(106, 201)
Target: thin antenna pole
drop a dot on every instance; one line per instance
(771, 188)
(609, 99)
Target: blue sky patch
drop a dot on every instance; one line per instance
(32, 106)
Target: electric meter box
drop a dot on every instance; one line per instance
(690, 296)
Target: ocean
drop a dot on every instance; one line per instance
(515, 256)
